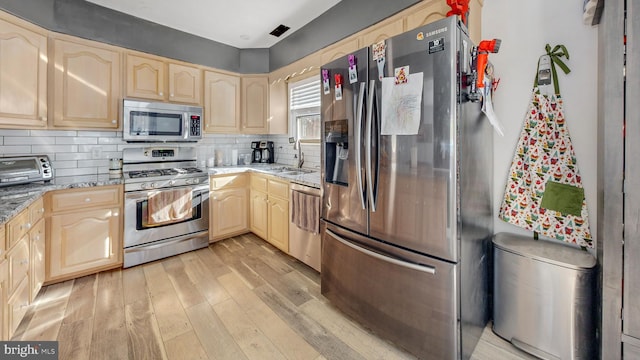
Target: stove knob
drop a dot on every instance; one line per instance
(143, 185)
(172, 182)
(152, 185)
(196, 181)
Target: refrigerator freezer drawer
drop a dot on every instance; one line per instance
(543, 305)
(412, 304)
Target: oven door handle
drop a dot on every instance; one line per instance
(166, 243)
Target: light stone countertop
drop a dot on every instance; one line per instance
(16, 198)
(310, 177)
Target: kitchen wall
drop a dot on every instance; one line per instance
(525, 27)
(87, 152)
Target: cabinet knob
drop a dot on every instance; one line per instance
(160, 93)
(113, 121)
(43, 118)
(171, 95)
(87, 200)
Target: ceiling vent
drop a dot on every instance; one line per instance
(281, 29)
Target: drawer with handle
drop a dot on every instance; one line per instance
(100, 196)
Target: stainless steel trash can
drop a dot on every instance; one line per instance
(544, 297)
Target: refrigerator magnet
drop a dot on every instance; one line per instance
(378, 53)
(338, 86)
(353, 71)
(325, 82)
(401, 75)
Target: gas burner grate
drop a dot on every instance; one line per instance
(144, 173)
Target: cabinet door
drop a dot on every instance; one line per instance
(17, 306)
(339, 50)
(82, 242)
(145, 77)
(23, 77)
(278, 107)
(258, 213)
(19, 260)
(185, 84)
(86, 86)
(278, 229)
(382, 32)
(4, 297)
(36, 271)
(427, 12)
(228, 212)
(221, 103)
(255, 90)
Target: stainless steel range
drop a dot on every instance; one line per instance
(166, 203)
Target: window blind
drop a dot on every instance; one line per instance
(305, 95)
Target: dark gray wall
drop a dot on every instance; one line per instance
(87, 20)
(337, 23)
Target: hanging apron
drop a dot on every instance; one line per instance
(544, 191)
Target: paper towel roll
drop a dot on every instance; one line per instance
(234, 157)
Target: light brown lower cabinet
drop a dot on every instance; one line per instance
(269, 210)
(84, 233)
(4, 297)
(228, 206)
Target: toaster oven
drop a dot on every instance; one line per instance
(25, 169)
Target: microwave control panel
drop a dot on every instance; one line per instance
(196, 126)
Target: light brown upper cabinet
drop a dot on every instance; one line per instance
(86, 84)
(23, 75)
(145, 77)
(221, 103)
(382, 31)
(153, 78)
(278, 106)
(255, 104)
(185, 83)
(339, 50)
(426, 12)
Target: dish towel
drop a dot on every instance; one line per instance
(169, 206)
(544, 191)
(305, 212)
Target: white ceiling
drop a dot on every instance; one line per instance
(239, 23)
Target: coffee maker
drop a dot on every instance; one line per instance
(262, 152)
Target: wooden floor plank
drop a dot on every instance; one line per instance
(214, 336)
(351, 333)
(250, 339)
(172, 320)
(205, 281)
(143, 335)
(134, 285)
(235, 264)
(109, 336)
(239, 291)
(213, 261)
(288, 342)
(315, 334)
(186, 289)
(185, 347)
(82, 300)
(75, 339)
(47, 313)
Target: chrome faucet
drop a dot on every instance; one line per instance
(300, 153)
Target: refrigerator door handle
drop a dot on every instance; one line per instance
(422, 268)
(368, 136)
(358, 136)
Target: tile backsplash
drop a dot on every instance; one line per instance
(88, 152)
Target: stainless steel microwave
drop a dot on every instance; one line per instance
(161, 122)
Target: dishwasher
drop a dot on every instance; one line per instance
(305, 244)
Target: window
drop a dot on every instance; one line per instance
(304, 109)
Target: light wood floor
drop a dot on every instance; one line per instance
(239, 298)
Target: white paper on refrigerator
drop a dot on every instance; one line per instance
(401, 105)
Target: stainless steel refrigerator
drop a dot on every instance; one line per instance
(406, 178)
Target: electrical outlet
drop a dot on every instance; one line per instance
(96, 152)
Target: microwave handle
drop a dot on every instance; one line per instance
(186, 125)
